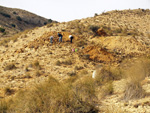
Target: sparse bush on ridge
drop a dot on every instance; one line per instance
(5, 15)
(19, 18)
(50, 20)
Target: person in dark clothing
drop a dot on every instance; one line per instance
(60, 37)
(71, 38)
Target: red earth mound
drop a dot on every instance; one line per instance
(99, 54)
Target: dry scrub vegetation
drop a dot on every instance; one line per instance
(78, 93)
(135, 75)
(53, 96)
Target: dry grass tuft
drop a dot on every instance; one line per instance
(8, 91)
(107, 89)
(36, 65)
(133, 91)
(10, 66)
(135, 75)
(107, 74)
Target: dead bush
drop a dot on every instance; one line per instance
(133, 90)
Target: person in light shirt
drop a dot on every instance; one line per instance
(71, 38)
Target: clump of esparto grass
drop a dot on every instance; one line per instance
(10, 66)
(135, 75)
(36, 65)
(107, 89)
(133, 91)
(8, 91)
(27, 75)
(67, 62)
(107, 74)
(37, 73)
(72, 73)
(4, 106)
(58, 63)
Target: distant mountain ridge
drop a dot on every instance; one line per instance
(14, 20)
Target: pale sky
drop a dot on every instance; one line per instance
(67, 10)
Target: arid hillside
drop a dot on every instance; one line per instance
(37, 76)
(15, 20)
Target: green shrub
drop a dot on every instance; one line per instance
(19, 18)
(45, 23)
(14, 13)
(13, 25)
(5, 15)
(50, 20)
(2, 30)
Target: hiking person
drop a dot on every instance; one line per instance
(51, 39)
(60, 37)
(71, 37)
